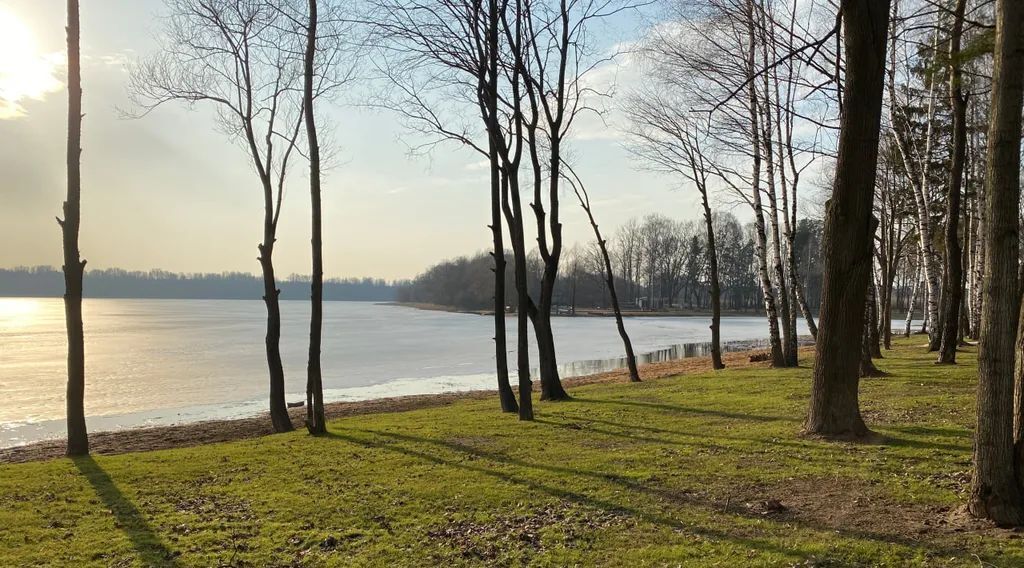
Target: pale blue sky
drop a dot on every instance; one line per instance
(169, 191)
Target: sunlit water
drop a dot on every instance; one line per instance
(151, 362)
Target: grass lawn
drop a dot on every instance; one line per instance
(699, 470)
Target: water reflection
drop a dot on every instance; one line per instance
(680, 351)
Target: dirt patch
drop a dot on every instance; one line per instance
(902, 415)
(214, 431)
(857, 507)
(530, 532)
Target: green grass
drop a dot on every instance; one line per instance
(673, 472)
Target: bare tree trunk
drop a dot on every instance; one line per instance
(716, 290)
(834, 408)
(505, 394)
(884, 325)
(584, 199)
(514, 214)
(977, 252)
(802, 301)
(867, 366)
(873, 339)
(913, 300)
(953, 291)
(316, 421)
(789, 351)
(918, 178)
(777, 354)
(278, 407)
(74, 267)
(550, 384)
(789, 340)
(995, 493)
(506, 397)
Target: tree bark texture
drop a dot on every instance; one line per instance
(995, 493)
(74, 266)
(834, 409)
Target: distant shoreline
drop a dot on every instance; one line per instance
(586, 312)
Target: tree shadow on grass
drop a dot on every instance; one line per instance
(686, 410)
(553, 489)
(148, 545)
(652, 515)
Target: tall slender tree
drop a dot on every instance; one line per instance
(443, 58)
(672, 140)
(995, 493)
(847, 247)
(238, 55)
(952, 290)
(74, 266)
(316, 421)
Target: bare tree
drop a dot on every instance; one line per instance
(995, 493)
(672, 140)
(952, 291)
(890, 239)
(238, 56)
(74, 266)
(743, 62)
(834, 409)
(917, 157)
(581, 194)
(553, 60)
(316, 421)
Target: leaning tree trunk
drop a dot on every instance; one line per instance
(584, 199)
(919, 186)
(995, 493)
(801, 299)
(74, 266)
(316, 421)
(953, 288)
(834, 408)
(271, 297)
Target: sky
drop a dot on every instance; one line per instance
(169, 191)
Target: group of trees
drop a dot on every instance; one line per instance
(262, 65)
(908, 192)
(659, 264)
(911, 108)
(507, 80)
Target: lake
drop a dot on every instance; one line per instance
(155, 362)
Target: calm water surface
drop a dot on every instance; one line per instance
(152, 362)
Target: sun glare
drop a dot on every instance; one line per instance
(17, 312)
(24, 72)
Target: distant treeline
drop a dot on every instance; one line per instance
(46, 281)
(659, 263)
